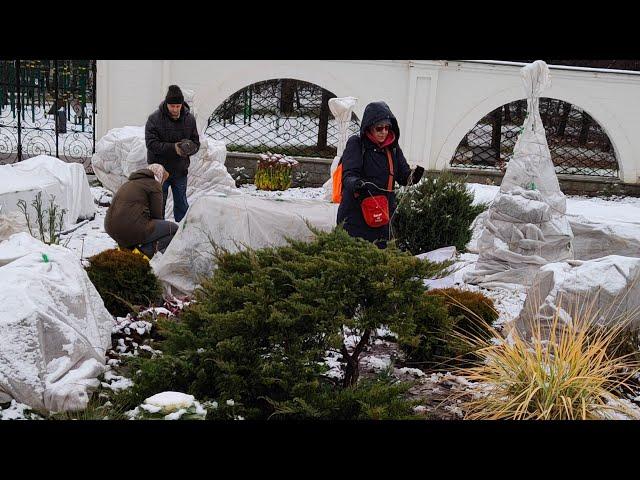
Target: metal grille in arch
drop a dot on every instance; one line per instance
(283, 116)
(578, 144)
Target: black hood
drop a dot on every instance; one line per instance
(165, 111)
(374, 113)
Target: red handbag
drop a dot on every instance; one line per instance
(375, 208)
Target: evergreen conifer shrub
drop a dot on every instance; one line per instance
(466, 312)
(123, 280)
(263, 323)
(435, 213)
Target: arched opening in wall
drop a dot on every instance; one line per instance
(578, 144)
(283, 115)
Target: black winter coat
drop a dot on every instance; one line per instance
(362, 159)
(161, 132)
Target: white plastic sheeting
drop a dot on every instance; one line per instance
(11, 223)
(122, 151)
(233, 221)
(526, 226)
(49, 176)
(606, 289)
(341, 109)
(54, 328)
(591, 238)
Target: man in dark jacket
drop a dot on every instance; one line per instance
(134, 218)
(165, 133)
(365, 171)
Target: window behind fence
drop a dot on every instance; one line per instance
(283, 116)
(577, 143)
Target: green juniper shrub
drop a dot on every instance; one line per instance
(435, 213)
(263, 323)
(472, 313)
(429, 344)
(123, 280)
(379, 398)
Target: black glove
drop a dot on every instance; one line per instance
(187, 147)
(416, 175)
(364, 187)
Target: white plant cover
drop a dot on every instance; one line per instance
(526, 226)
(233, 221)
(594, 240)
(54, 328)
(591, 239)
(122, 151)
(51, 176)
(12, 222)
(608, 287)
(341, 108)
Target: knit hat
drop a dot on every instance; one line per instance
(159, 173)
(174, 95)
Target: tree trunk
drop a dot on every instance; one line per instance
(496, 132)
(352, 371)
(324, 119)
(507, 113)
(287, 92)
(566, 108)
(584, 129)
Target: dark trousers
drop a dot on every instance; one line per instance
(158, 241)
(179, 191)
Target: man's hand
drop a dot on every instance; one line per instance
(178, 151)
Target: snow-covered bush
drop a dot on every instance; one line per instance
(124, 280)
(435, 213)
(261, 326)
(274, 171)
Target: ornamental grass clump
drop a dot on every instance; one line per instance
(566, 372)
(274, 172)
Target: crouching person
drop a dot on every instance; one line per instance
(134, 219)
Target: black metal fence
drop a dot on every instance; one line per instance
(47, 107)
(283, 116)
(577, 143)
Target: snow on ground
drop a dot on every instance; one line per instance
(89, 238)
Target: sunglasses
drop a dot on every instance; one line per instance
(380, 128)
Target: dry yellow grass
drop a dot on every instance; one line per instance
(564, 372)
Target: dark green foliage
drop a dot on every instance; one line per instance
(123, 280)
(371, 399)
(467, 312)
(263, 323)
(435, 213)
(429, 343)
(473, 311)
(473, 314)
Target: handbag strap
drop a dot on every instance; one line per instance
(390, 160)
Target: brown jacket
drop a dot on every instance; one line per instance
(134, 205)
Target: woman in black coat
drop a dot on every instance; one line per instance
(365, 171)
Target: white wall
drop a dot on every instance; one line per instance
(436, 102)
